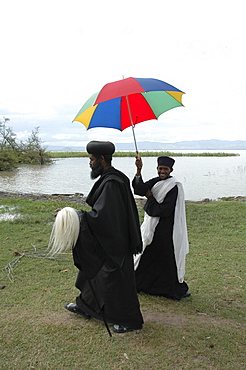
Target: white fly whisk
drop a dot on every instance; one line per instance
(65, 231)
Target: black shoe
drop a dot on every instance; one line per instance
(72, 307)
(122, 329)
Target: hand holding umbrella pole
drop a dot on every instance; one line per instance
(139, 165)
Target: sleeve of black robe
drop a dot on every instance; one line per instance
(108, 220)
(164, 209)
(140, 187)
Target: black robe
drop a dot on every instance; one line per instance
(114, 223)
(157, 271)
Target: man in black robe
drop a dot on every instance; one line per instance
(160, 269)
(114, 223)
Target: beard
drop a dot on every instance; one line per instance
(96, 171)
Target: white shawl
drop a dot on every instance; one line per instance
(180, 236)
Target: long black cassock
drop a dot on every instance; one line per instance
(107, 260)
(156, 273)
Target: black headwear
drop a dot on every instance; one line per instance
(165, 161)
(100, 148)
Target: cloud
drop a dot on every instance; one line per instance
(55, 55)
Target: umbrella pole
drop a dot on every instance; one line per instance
(130, 115)
(134, 139)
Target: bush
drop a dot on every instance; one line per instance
(8, 160)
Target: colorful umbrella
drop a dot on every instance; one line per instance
(125, 103)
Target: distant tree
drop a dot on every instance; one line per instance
(8, 158)
(8, 137)
(32, 150)
(13, 152)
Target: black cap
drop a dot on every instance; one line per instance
(100, 147)
(165, 161)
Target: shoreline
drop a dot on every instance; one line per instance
(79, 198)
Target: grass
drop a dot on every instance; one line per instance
(144, 154)
(204, 331)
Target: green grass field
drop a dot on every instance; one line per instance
(204, 331)
(144, 154)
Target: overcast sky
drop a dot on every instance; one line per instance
(56, 54)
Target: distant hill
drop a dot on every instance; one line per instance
(181, 145)
(186, 145)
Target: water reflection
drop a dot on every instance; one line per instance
(7, 214)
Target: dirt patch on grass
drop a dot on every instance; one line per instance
(166, 319)
(73, 198)
(179, 320)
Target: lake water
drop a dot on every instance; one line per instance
(202, 177)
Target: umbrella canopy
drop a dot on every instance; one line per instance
(126, 102)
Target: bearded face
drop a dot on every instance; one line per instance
(96, 168)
